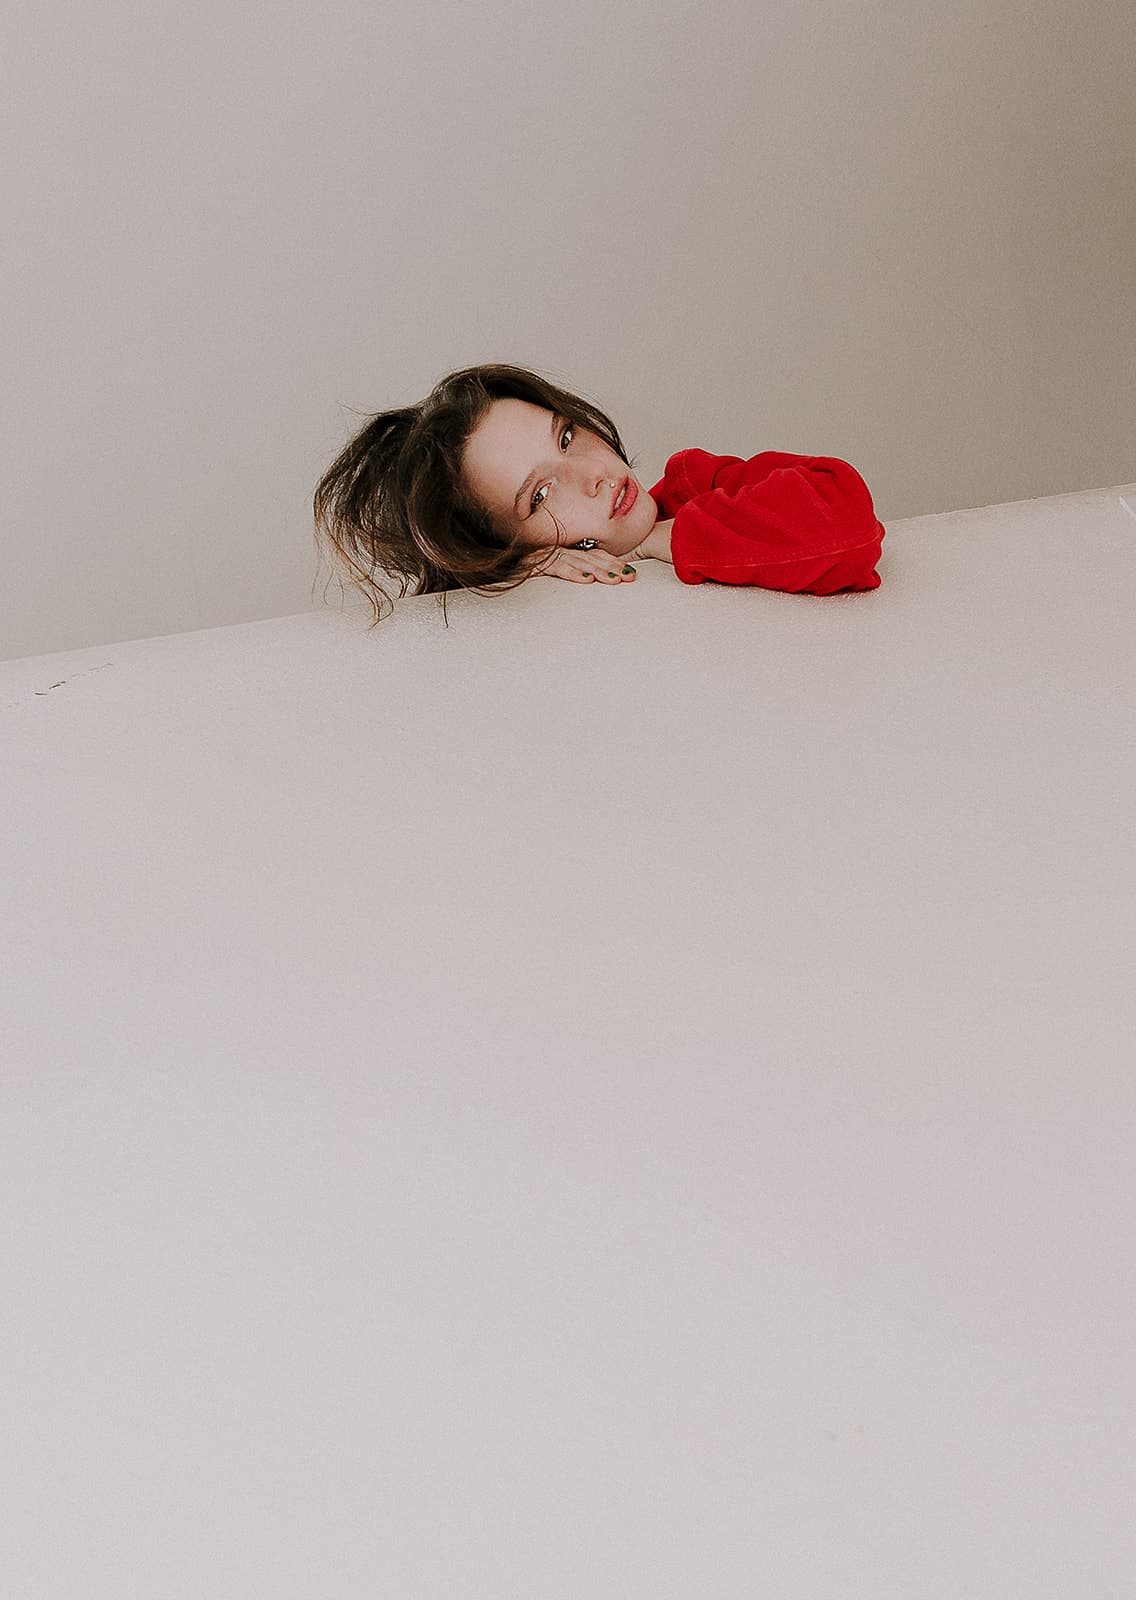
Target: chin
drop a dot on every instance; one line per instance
(627, 533)
(623, 542)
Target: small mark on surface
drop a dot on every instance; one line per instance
(86, 674)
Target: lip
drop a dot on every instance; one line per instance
(629, 498)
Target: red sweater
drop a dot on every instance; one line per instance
(805, 524)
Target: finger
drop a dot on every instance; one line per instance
(606, 568)
(598, 566)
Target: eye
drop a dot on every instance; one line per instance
(536, 502)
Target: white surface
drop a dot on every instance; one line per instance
(633, 1095)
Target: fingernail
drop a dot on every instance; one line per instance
(629, 569)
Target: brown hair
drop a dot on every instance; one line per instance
(394, 497)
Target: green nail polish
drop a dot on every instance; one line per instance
(629, 569)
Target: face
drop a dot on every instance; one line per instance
(532, 470)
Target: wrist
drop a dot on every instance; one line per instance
(657, 545)
(653, 548)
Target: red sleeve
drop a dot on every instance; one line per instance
(803, 524)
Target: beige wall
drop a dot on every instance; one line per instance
(904, 235)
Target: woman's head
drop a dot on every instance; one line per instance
(430, 492)
(552, 481)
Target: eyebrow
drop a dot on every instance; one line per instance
(533, 473)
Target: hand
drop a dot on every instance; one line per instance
(584, 566)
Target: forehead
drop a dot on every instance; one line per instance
(511, 439)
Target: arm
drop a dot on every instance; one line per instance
(801, 524)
